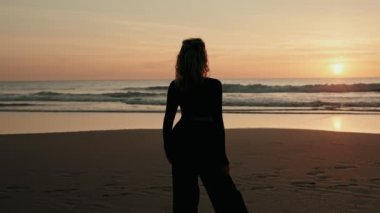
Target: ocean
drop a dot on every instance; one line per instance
(267, 96)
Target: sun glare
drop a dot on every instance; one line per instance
(338, 68)
(337, 122)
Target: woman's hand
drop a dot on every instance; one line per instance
(226, 169)
(169, 157)
(170, 160)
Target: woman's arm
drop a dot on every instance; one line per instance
(170, 112)
(218, 116)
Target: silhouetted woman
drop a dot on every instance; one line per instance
(196, 145)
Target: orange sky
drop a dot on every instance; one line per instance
(123, 39)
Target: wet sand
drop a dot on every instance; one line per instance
(276, 170)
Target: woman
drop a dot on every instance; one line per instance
(196, 145)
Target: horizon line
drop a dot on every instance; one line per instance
(167, 79)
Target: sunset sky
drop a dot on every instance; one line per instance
(123, 39)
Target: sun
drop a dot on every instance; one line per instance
(338, 68)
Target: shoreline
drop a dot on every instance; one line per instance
(268, 111)
(39, 122)
(152, 129)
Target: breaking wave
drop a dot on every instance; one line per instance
(262, 88)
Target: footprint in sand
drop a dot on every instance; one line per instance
(18, 188)
(262, 187)
(115, 189)
(68, 174)
(303, 183)
(115, 194)
(353, 188)
(374, 182)
(345, 167)
(114, 186)
(264, 176)
(61, 190)
(343, 185)
(319, 174)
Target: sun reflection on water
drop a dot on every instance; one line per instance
(337, 122)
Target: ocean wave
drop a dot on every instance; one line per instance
(56, 96)
(262, 88)
(160, 88)
(236, 103)
(133, 94)
(159, 98)
(322, 104)
(17, 104)
(145, 98)
(317, 88)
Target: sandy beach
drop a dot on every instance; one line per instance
(276, 170)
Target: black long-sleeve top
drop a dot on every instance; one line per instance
(204, 101)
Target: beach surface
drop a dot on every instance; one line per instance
(276, 170)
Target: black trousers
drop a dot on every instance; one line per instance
(219, 185)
